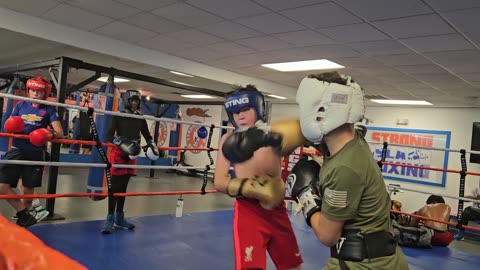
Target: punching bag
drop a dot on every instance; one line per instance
(8, 108)
(103, 100)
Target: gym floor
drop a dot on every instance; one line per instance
(159, 235)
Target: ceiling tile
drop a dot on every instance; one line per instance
(148, 5)
(450, 42)
(165, 43)
(464, 57)
(264, 43)
(422, 69)
(446, 5)
(425, 25)
(186, 14)
(246, 60)
(287, 55)
(373, 10)
(76, 17)
(154, 23)
(35, 8)
(471, 77)
(107, 8)
(467, 22)
(355, 62)
(286, 4)
(229, 9)
(199, 54)
(462, 67)
(230, 30)
(380, 47)
(195, 37)
(271, 23)
(331, 51)
(403, 59)
(125, 32)
(304, 38)
(322, 15)
(353, 33)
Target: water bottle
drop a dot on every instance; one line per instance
(179, 211)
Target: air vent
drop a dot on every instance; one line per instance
(375, 97)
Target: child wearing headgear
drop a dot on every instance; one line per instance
(33, 119)
(261, 222)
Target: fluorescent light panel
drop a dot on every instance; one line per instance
(278, 97)
(115, 79)
(401, 102)
(181, 74)
(304, 65)
(196, 96)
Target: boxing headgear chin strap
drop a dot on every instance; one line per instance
(129, 94)
(341, 104)
(39, 84)
(245, 98)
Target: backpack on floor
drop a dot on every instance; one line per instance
(412, 236)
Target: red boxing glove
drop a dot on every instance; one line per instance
(40, 136)
(14, 124)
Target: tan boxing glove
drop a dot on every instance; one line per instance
(267, 190)
(291, 135)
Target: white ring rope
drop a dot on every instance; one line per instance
(393, 188)
(97, 165)
(427, 148)
(149, 117)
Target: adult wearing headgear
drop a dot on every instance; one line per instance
(345, 202)
(261, 223)
(33, 119)
(125, 132)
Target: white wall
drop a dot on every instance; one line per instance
(457, 120)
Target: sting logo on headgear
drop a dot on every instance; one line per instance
(248, 97)
(237, 102)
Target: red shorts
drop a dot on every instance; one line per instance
(117, 156)
(256, 230)
(442, 239)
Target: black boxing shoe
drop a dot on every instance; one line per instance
(25, 219)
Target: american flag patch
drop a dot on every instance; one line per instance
(335, 198)
(339, 98)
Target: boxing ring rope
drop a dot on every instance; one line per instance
(107, 165)
(395, 188)
(107, 144)
(89, 195)
(86, 109)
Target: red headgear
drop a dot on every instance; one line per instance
(39, 84)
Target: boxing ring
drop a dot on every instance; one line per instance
(194, 240)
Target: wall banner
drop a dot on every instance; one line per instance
(413, 147)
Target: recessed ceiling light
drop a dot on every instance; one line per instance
(304, 65)
(275, 96)
(197, 96)
(401, 102)
(116, 79)
(181, 74)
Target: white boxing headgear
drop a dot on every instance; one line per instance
(325, 106)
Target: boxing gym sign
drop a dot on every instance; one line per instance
(419, 148)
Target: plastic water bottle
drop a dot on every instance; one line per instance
(179, 211)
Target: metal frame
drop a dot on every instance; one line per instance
(58, 69)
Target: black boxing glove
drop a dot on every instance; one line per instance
(131, 148)
(303, 186)
(240, 146)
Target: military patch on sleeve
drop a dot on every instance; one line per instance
(335, 198)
